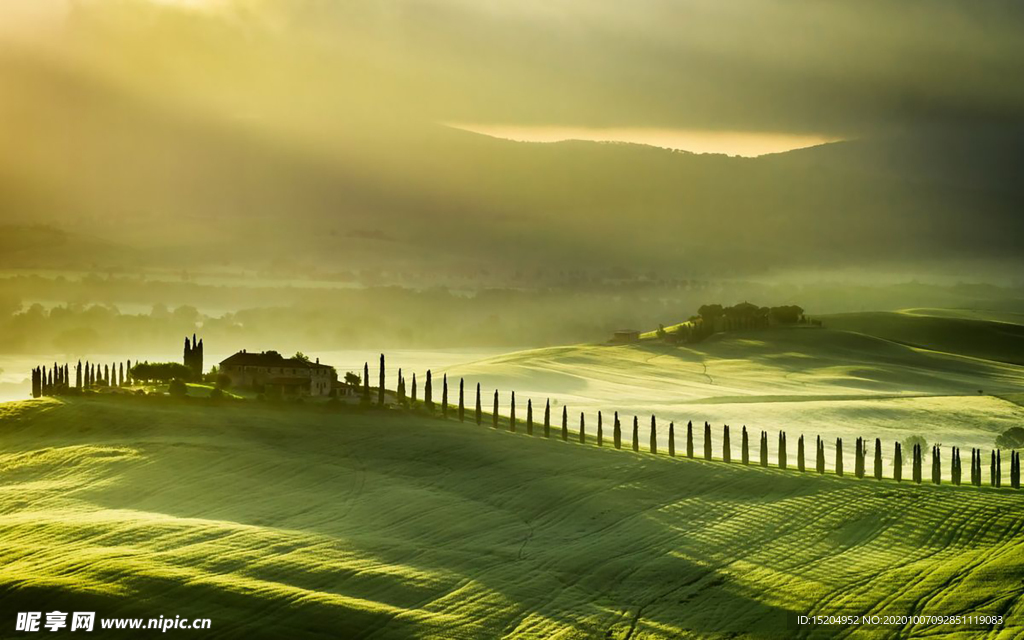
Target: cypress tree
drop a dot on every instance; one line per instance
(654, 436)
(547, 419)
(128, 373)
(617, 433)
(999, 468)
(87, 382)
(462, 400)
(428, 392)
(917, 463)
(1015, 469)
(974, 467)
(600, 431)
(512, 414)
(479, 408)
(858, 458)
(897, 463)
(764, 448)
(494, 415)
(120, 374)
(707, 440)
(689, 439)
(954, 466)
(366, 382)
(672, 439)
(745, 447)
(529, 417)
(782, 450)
(726, 445)
(565, 424)
(800, 453)
(937, 465)
(380, 382)
(414, 388)
(444, 398)
(78, 375)
(106, 374)
(819, 456)
(400, 389)
(839, 456)
(992, 470)
(636, 434)
(878, 459)
(583, 430)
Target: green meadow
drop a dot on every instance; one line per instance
(954, 381)
(300, 522)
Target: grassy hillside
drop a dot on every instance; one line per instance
(312, 525)
(972, 334)
(804, 380)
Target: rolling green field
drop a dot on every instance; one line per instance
(277, 523)
(804, 380)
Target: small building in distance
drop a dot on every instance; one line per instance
(625, 336)
(270, 372)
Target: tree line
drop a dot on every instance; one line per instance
(863, 451)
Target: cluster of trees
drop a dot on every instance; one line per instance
(715, 318)
(57, 379)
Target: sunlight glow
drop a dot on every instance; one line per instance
(734, 143)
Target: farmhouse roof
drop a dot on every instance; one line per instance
(269, 359)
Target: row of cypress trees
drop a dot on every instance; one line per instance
(56, 380)
(860, 452)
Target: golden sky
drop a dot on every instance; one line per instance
(734, 143)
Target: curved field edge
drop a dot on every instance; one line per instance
(305, 524)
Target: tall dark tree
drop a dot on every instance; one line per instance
(400, 388)
(654, 436)
(565, 423)
(992, 470)
(858, 458)
(800, 453)
(672, 439)
(414, 388)
(707, 440)
(783, 454)
(936, 465)
(380, 382)
(954, 466)
(878, 459)
(974, 466)
(512, 414)
(745, 446)
(106, 374)
(583, 429)
(128, 373)
(999, 468)
(897, 463)
(479, 408)
(547, 419)
(529, 416)
(78, 375)
(764, 449)
(819, 456)
(462, 400)
(87, 383)
(1015, 469)
(428, 392)
(839, 456)
(120, 374)
(600, 430)
(617, 433)
(494, 413)
(366, 381)
(444, 398)
(917, 463)
(636, 434)
(726, 445)
(689, 438)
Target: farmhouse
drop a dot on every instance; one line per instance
(269, 371)
(625, 336)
